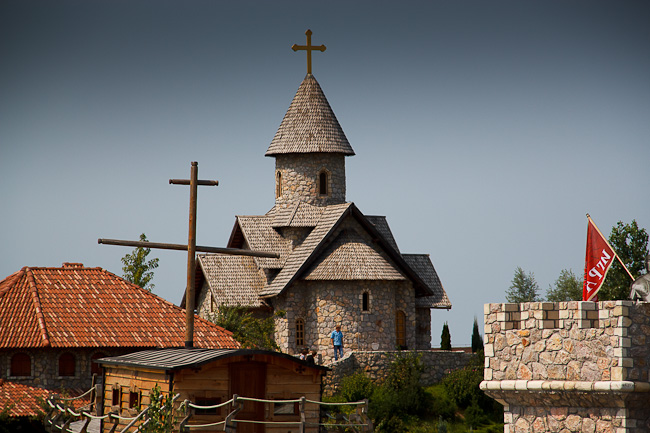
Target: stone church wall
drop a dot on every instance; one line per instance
(324, 304)
(300, 177)
(569, 366)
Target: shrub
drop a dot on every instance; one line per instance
(463, 385)
(356, 387)
(401, 392)
(442, 406)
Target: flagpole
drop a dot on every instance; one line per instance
(608, 244)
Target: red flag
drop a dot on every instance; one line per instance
(599, 258)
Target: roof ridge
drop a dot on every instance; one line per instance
(301, 255)
(45, 339)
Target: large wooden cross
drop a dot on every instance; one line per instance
(191, 248)
(309, 48)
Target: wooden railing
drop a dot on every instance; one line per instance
(61, 415)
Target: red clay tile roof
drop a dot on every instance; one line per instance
(21, 399)
(75, 306)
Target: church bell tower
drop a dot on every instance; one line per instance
(309, 147)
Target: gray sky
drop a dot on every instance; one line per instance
(484, 131)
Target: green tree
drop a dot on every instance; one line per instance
(477, 340)
(524, 288)
(252, 332)
(445, 338)
(160, 416)
(630, 243)
(568, 287)
(137, 269)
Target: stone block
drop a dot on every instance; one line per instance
(563, 314)
(621, 332)
(619, 373)
(489, 350)
(553, 315)
(624, 342)
(486, 309)
(586, 305)
(509, 307)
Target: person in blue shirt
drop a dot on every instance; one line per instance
(337, 342)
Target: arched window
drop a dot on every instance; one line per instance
(95, 368)
(278, 184)
(21, 365)
(322, 182)
(300, 332)
(365, 301)
(67, 363)
(400, 329)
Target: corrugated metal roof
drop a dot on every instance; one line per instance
(177, 359)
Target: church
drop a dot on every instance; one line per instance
(336, 265)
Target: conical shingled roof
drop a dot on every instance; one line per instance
(310, 125)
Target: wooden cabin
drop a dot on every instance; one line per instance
(212, 376)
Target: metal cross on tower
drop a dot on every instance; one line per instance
(191, 248)
(309, 48)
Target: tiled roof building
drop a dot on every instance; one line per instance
(336, 265)
(56, 321)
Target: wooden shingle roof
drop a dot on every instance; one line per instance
(298, 258)
(76, 306)
(351, 257)
(421, 263)
(309, 126)
(259, 235)
(299, 214)
(233, 280)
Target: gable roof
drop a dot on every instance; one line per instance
(351, 257)
(76, 306)
(298, 258)
(309, 125)
(233, 280)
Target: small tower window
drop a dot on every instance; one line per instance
(365, 301)
(278, 184)
(323, 180)
(300, 332)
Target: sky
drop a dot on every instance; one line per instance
(483, 131)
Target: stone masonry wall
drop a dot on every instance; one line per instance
(324, 304)
(569, 366)
(375, 364)
(300, 177)
(45, 367)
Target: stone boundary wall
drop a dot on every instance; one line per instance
(375, 364)
(569, 366)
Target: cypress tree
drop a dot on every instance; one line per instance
(445, 339)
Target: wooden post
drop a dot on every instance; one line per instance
(191, 252)
(303, 418)
(230, 426)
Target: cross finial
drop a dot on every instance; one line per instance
(309, 48)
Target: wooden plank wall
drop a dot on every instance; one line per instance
(129, 380)
(284, 380)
